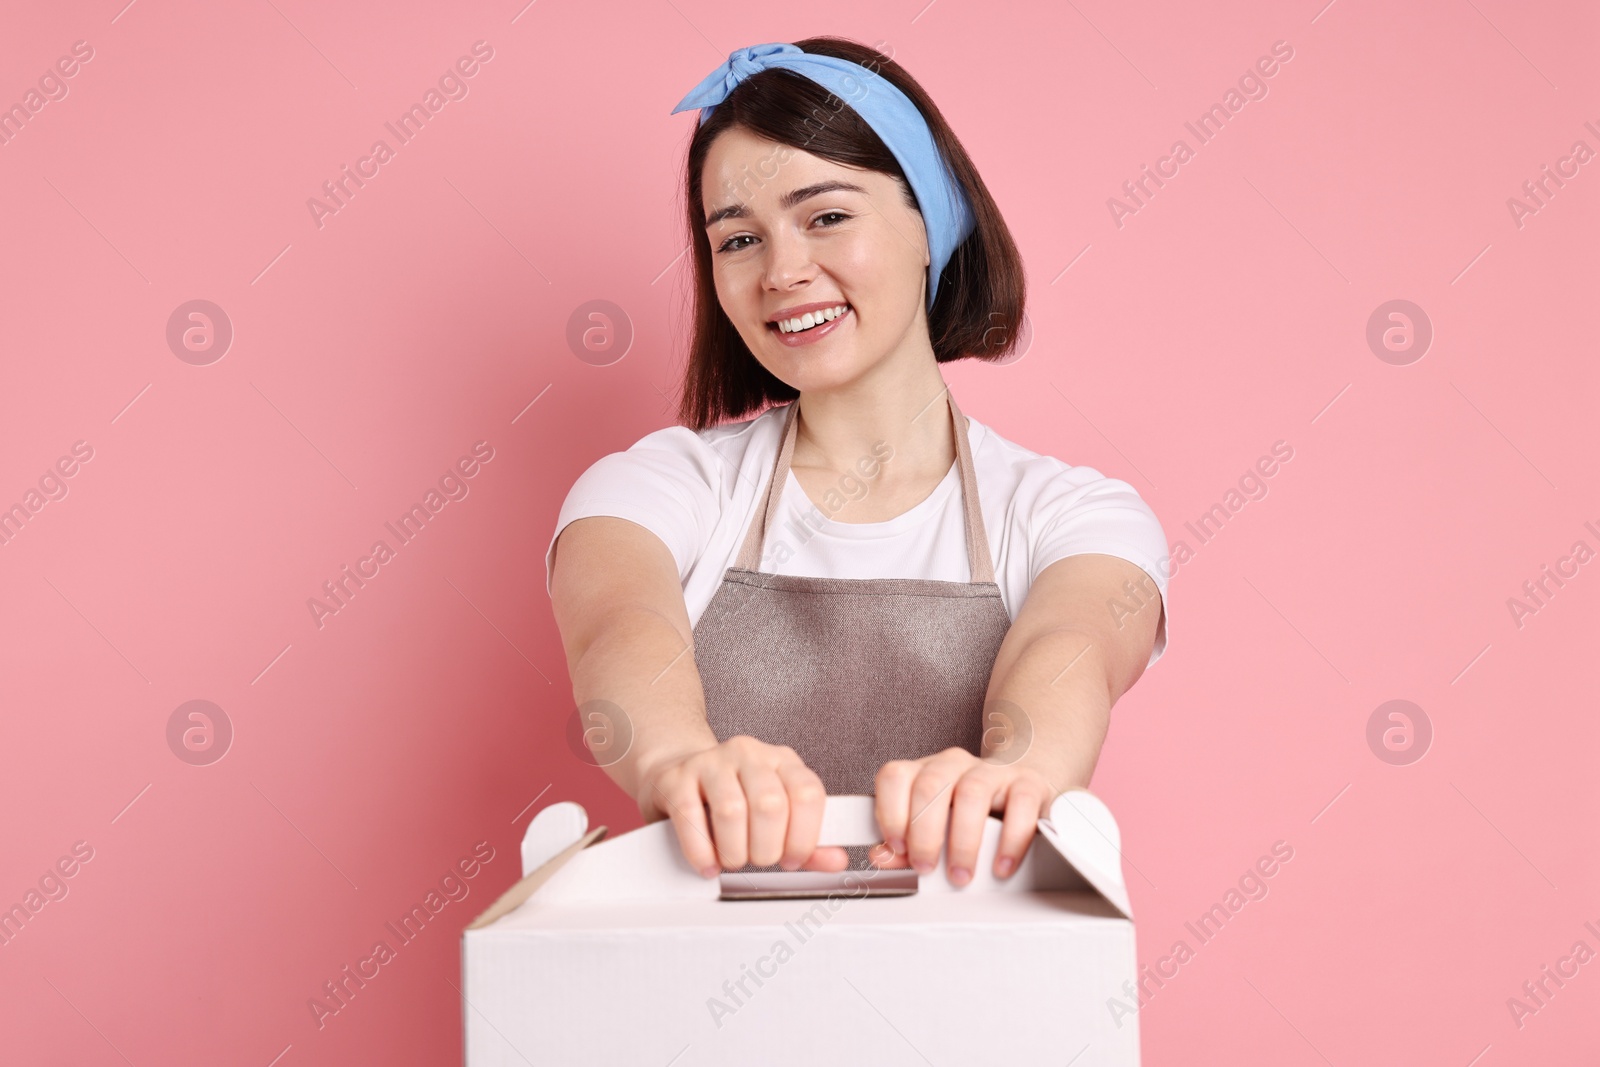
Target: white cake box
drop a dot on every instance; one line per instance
(617, 952)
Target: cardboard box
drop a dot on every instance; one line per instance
(616, 952)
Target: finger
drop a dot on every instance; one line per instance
(729, 816)
(892, 802)
(679, 795)
(882, 857)
(974, 796)
(930, 814)
(767, 802)
(807, 798)
(830, 858)
(1025, 804)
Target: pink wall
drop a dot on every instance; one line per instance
(373, 752)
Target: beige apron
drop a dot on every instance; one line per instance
(852, 672)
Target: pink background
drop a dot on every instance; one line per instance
(1230, 312)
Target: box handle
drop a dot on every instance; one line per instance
(849, 820)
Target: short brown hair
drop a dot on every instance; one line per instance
(978, 311)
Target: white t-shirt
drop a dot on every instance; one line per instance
(698, 492)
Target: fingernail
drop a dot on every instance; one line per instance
(896, 845)
(959, 875)
(710, 871)
(1003, 868)
(922, 866)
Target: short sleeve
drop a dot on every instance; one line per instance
(1081, 510)
(665, 483)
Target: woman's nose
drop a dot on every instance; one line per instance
(788, 260)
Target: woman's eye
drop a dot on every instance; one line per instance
(730, 246)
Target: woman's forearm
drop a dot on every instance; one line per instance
(639, 662)
(1051, 709)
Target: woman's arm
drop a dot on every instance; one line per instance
(1072, 652)
(619, 606)
(625, 627)
(1068, 657)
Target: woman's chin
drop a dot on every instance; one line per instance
(819, 375)
(813, 367)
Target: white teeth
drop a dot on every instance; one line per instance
(811, 318)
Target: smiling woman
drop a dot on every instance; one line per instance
(783, 144)
(940, 643)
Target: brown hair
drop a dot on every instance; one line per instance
(978, 311)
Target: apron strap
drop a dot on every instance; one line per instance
(978, 561)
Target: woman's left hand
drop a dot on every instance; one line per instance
(919, 800)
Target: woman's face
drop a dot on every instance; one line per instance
(790, 231)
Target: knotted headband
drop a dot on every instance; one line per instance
(893, 117)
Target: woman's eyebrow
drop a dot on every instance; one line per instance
(787, 201)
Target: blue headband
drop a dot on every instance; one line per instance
(893, 117)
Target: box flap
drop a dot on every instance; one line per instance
(552, 830)
(514, 897)
(1082, 829)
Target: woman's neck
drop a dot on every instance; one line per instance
(909, 412)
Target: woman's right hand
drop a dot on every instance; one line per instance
(765, 807)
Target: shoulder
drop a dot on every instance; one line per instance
(678, 483)
(1060, 508)
(745, 444)
(1020, 472)
(705, 463)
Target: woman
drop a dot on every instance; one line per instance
(881, 595)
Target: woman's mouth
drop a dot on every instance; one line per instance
(810, 327)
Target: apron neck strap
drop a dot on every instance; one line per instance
(979, 564)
